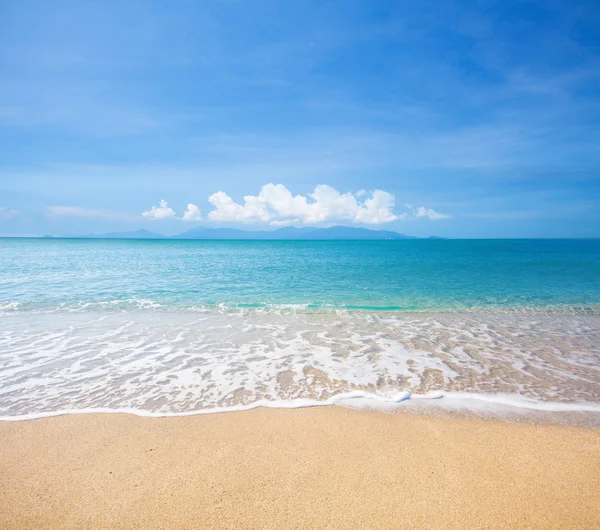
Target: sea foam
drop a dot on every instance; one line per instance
(164, 363)
(492, 403)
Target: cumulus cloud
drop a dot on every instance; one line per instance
(7, 214)
(192, 213)
(276, 205)
(161, 212)
(429, 213)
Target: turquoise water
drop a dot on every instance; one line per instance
(181, 327)
(408, 275)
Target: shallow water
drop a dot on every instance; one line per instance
(173, 362)
(412, 275)
(186, 327)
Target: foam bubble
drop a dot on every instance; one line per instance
(169, 363)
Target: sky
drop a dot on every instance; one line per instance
(455, 119)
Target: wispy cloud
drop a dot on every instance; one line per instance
(91, 213)
(429, 213)
(7, 214)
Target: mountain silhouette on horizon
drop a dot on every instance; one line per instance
(286, 233)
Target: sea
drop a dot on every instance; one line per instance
(180, 327)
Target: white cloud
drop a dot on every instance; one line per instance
(430, 213)
(76, 211)
(192, 213)
(276, 205)
(161, 212)
(378, 209)
(7, 214)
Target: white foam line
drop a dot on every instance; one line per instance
(517, 401)
(350, 399)
(292, 404)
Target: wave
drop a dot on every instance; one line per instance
(167, 362)
(363, 400)
(148, 304)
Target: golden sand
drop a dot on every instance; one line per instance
(307, 468)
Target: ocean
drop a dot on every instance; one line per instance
(172, 327)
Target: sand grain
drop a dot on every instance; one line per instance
(306, 468)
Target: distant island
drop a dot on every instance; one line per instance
(286, 233)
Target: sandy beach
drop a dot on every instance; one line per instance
(305, 468)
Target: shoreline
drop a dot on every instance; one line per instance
(501, 408)
(147, 361)
(326, 467)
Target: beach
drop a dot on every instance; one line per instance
(299, 265)
(325, 467)
(299, 384)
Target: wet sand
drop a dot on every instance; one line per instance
(306, 468)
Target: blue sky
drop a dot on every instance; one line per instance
(472, 119)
